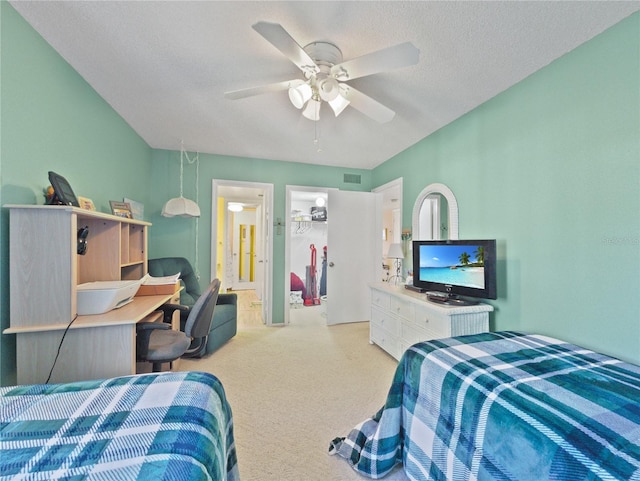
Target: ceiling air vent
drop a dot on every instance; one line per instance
(352, 179)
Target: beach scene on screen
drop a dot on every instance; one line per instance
(452, 264)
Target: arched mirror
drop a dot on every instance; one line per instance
(435, 214)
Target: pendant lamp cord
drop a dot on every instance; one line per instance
(196, 159)
(181, 167)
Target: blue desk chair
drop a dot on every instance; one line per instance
(157, 343)
(224, 324)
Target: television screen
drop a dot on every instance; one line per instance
(456, 267)
(452, 264)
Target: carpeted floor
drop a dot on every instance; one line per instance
(293, 389)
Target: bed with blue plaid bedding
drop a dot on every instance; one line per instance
(504, 406)
(166, 426)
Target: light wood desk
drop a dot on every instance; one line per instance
(95, 347)
(45, 271)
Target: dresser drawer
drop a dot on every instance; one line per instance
(386, 341)
(385, 321)
(402, 308)
(428, 320)
(380, 299)
(412, 334)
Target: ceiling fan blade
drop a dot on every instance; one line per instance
(263, 89)
(368, 106)
(280, 38)
(402, 55)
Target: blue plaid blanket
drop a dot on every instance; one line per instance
(505, 406)
(168, 426)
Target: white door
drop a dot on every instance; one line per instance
(259, 254)
(263, 264)
(354, 258)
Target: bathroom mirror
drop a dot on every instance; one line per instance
(435, 214)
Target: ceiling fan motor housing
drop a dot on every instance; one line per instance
(325, 55)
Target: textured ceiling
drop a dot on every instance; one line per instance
(164, 66)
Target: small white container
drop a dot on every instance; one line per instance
(102, 296)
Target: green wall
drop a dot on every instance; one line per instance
(551, 169)
(174, 236)
(51, 119)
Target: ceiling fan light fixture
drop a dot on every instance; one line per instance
(300, 95)
(312, 110)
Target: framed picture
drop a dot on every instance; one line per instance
(137, 208)
(86, 203)
(121, 209)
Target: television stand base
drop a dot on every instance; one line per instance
(449, 299)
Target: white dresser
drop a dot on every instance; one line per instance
(400, 318)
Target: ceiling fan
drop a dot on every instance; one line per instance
(325, 74)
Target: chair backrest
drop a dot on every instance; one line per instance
(199, 321)
(168, 266)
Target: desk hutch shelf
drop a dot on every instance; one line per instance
(45, 268)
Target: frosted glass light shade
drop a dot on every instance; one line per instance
(299, 95)
(312, 110)
(235, 207)
(182, 207)
(338, 104)
(329, 89)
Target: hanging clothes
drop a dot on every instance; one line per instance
(323, 279)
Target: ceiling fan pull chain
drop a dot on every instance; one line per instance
(316, 139)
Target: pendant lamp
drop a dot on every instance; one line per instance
(181, 206)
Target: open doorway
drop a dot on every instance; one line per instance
(305, 253)
(392, 231)
(242, 244)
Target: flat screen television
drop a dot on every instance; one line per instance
(450, 270)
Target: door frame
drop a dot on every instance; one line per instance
(267, 234)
